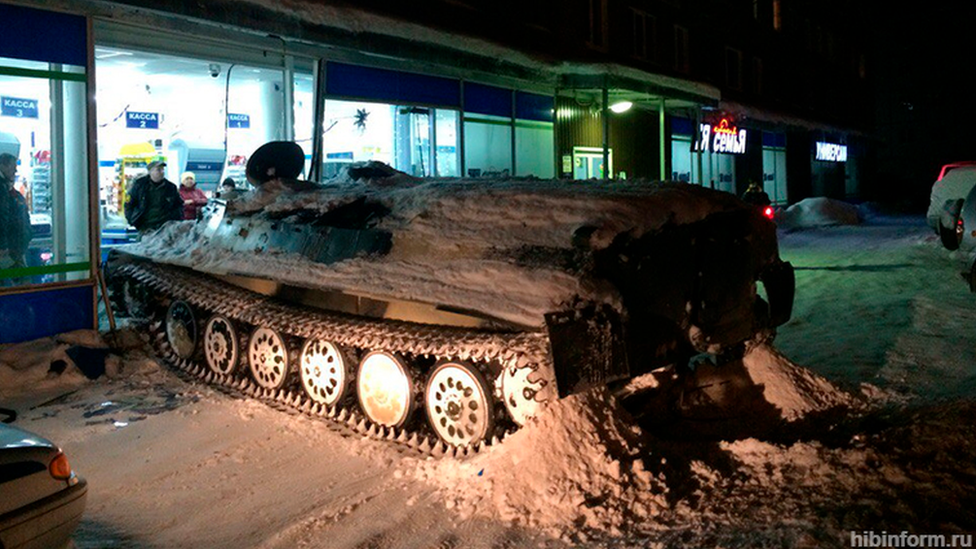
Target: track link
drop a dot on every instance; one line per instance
(516, 350)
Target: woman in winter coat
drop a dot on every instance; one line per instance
(193, 198)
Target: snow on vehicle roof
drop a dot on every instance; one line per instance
(502, 212)
(450, 236)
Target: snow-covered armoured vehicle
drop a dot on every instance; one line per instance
(405, 307)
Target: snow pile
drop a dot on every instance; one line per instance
(818, 212)
(26, 367)
(795, 391)
(576, 468)
(51, 365)
(581, 467)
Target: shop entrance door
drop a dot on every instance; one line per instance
(413, 128)
(588, 163)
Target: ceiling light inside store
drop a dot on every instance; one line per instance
(621, 106)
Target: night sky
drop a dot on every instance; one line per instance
(924, 96)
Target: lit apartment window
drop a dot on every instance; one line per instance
(682, 55)
(644, 35)
(733, 68)
(598, 24)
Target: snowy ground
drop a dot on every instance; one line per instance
(857, 418)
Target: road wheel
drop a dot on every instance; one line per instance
(181, 329)
(458, 404)
(267, 357)
(221, 345)
(385, 389)
(325, 372)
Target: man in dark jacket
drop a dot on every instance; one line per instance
(153, 200)
(756, 196)
(15, 226)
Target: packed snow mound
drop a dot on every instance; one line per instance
(50, 365)
(795, 391)
(576, 467)
(818, 212)
(583, 465)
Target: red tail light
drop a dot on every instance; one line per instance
(768, 212)
(59, 467)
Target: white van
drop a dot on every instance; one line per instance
(948, 194)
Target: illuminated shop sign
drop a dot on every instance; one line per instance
(18, 107)
(142, 120)
(238, 120)
(721, 139)
(831, 152)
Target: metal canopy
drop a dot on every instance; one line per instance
(639, 87)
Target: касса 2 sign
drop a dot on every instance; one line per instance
(142, 120)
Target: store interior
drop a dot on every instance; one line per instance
(200, 115)
(207, 116)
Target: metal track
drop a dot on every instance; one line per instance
(518, 350)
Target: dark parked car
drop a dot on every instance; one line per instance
(41, 498)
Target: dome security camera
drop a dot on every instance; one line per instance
(214, 70)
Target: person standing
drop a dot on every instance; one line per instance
(228, 190)
(755, 195)
(15, 225)
(153, 200)
(193, 198)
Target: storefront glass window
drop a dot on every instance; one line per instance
(356, 131)
(398, 135)
(42, 125)
(448, 159)
(774, 167)
(304, 97)
(200, 115)
(534, 154)
(412, 135)
(684, 166)
(487, 145)
(713, 170)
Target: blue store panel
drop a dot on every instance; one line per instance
(482, 99)
(31, 315)
(38, 35)
(391, 86)
(532, 106)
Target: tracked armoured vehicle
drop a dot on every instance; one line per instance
(443, 313)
